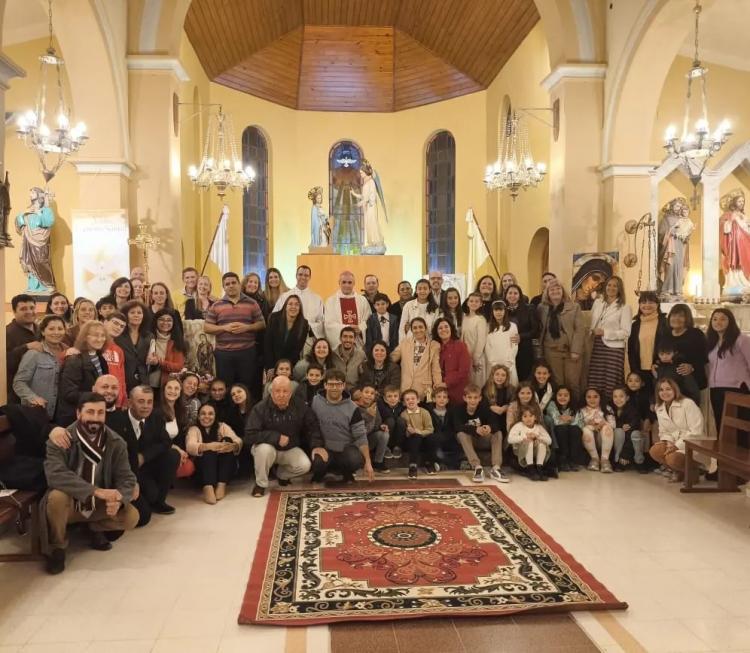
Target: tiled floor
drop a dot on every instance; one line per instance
(680, 561)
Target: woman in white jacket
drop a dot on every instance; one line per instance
(680, 419)
(474, 335)
(501, 347)
(423, 306)
(610, 327)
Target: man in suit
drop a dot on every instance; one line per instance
(381, 325)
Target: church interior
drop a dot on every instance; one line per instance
(590, 139)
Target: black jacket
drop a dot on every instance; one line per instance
(691, 347)
(629, 415)
(634, 344)
(279, 343)
(16, 339)
(78, 376)
(305, 392)
(374, 332)
(154, 440)
(136, 370)
(465, 423)
(392, 376)
(297, 421)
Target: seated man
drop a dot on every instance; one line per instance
(91, 481)
(344, 447)
(277, 430)
(348, 357)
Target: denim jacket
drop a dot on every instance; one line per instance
(38, 376)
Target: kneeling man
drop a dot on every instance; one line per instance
(277, 430)
(91, 481)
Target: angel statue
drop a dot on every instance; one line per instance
(372, 189)
(320, 229)
(675, 228)
(34, 226)
(734, 236)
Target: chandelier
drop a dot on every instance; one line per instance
(54, 144)
(694, 149)
(515, 168)
(221, 166)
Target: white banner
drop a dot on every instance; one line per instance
(101, 252)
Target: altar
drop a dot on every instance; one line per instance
(327, 267)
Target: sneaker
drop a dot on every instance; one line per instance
(258, 491)
(478, 475)
(388, 453)
(283, 482)
(412, 472)
(464, 466)
(674, 477)
(56, 561)
(381, 468)
(606, 467)
(496, 474)
(396, 453)
(431, 468)
(593, 466)
(661, 470)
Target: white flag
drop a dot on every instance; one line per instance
(220, 248)
(478, 253)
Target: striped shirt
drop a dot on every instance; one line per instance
(224, 311)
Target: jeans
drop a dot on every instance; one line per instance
(637, 443)
(424, 444)
(291, 462)
(215, 467)
(397, 430)
(568, 437)
(237, 367)
(344, 462)
(494, 441)
(378, 441)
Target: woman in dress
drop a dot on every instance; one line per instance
(474, 334)
(455, 360)
(526, 319)
(420, 360)
(379, 370)
(275, 287)
(610, 329)
(423, 306)
(501, 346)
(197, 306)
(172, 411)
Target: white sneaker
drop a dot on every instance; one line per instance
(478, 475)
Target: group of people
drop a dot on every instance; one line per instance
(354, 382)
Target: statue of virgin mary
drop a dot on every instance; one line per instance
(734, 234)
(34, 226)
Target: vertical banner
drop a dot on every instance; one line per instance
(101, 252)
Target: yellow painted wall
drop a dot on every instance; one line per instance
(23, 166)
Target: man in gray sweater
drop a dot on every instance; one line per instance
(345, 448)
(89, 481)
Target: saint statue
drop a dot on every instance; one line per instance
(5, 212)
(34, 226)
(320, 229)
(734, 237)
(372, 189)
(675, 228)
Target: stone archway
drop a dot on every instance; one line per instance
(538, 260)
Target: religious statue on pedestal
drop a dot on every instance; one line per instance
(675, 228)
(5, 212)
(34, 226)
(320, 228)
(372, 189)
(734, 238)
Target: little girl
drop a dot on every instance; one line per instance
(541, 382)
(566, 424)
(190, 398)
(474, 334)
(502, 340)
(525, 398)
(598, 424)
(530, 443)
(628, 439)
(498, 393)
(451, 308)
(283, 368)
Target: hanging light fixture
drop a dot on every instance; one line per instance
(694, 149)
(221, 166)
(515, 168)
(53, 144)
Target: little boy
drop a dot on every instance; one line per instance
(381, 325)
(419, 434)
(448, 450)
(105, 307)
(666, 368)
(472, 422)
(377, 432)
(390, 409)
(312, 384)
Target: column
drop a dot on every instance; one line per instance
(711, 251)
(575, 153)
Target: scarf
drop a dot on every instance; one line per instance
(553, 325)
(160, 345)
(647, 339)
(92, 456)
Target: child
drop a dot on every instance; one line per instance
(541, 382)
(502, 340)
(525, 397)
(390, 409)
(377, 432)
(567, 424)
(419, 436)
(474, 334)
(312, 384)
(105, 307)
(283, 368)
(666, 368)
(190, 398)
(530, 443)
(445, 439)
(498, 393)
(473, 421)
(381, 325)
(451, 308)
(628, 440)
(598, 424)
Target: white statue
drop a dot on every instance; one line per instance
(320, 229)
(372, 189)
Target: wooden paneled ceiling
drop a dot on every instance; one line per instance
(357, 55)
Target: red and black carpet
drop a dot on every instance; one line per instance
(365, 554)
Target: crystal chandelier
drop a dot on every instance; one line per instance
(221, 166)
(694, 149)
(53, 145)
(515, 168)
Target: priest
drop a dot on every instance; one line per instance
(346, 308)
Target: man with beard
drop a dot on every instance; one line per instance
(90, 481)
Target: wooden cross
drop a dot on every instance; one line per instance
(145, 241)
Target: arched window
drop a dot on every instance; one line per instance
(441, 203)
(344, 162)
(255, 204)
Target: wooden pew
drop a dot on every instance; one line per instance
(733, 459)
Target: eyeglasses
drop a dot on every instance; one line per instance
(334, 384)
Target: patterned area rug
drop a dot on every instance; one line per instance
(398, 553)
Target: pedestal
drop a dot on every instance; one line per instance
(327, 267)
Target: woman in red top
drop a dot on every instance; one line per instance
(169, 345)
(112, 353)
(455, 360)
